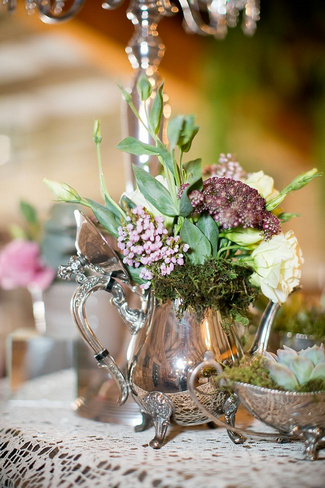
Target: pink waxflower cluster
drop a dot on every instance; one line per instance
(228, 167)
(144, 240)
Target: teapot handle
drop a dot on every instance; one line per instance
(109, 282)
(101, 354)
(209, 362)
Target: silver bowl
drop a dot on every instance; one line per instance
(295, 415)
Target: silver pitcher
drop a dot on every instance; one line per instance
(164, 349)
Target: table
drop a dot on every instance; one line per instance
(44, 444)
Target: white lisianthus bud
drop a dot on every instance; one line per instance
(248, 238)
(263, 183)
(277, 265)
(62, 191)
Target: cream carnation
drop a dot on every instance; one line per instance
(277, 265)
(263, 183)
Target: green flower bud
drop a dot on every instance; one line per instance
(97, 135)
(62, 191)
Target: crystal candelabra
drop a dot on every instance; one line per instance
(145, 49)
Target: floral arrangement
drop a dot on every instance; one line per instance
(21, 263)
(288, 370)
(210, 238)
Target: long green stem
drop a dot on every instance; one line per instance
(227, 248)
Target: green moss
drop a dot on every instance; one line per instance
(219, 284)
(253, 371)
(250, 370)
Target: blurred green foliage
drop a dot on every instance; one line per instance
(275, 79)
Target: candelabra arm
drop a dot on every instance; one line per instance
(53, 12)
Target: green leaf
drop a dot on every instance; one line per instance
(144, 87)
(185, 206)
(166, 158)
(133, 146)
(189, 131)
(174, 129)
(186, 147)
(211, 231)
(194, 178)
(106, 218)
(154, 192)
(124, 200)
(114, 208)
(200, 247)
(134, 273)
(28, 212)
(157, 109)
(193, 170)
(285, 217)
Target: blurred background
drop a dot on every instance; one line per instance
(261, 98)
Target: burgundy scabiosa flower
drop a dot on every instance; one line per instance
(144, 240)
(233, 204)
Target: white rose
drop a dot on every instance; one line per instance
(263, 184)
(277, 265)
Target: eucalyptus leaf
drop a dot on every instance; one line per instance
(133, 146)
(157, 109)
(144, 87)
(210, 229)
(155, 192)
(200, 247)
(106, 218)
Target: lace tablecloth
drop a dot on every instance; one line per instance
(44, 444)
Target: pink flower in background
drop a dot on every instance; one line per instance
(21, 266)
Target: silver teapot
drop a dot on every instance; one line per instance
(164, 348)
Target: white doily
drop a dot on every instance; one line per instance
(44, 444)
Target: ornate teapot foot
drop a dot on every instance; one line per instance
(312, 437)
(145, 424)
(160, 409)
(230, 408)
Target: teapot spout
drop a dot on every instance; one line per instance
(263, 331)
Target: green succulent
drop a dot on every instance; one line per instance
(297, 371)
